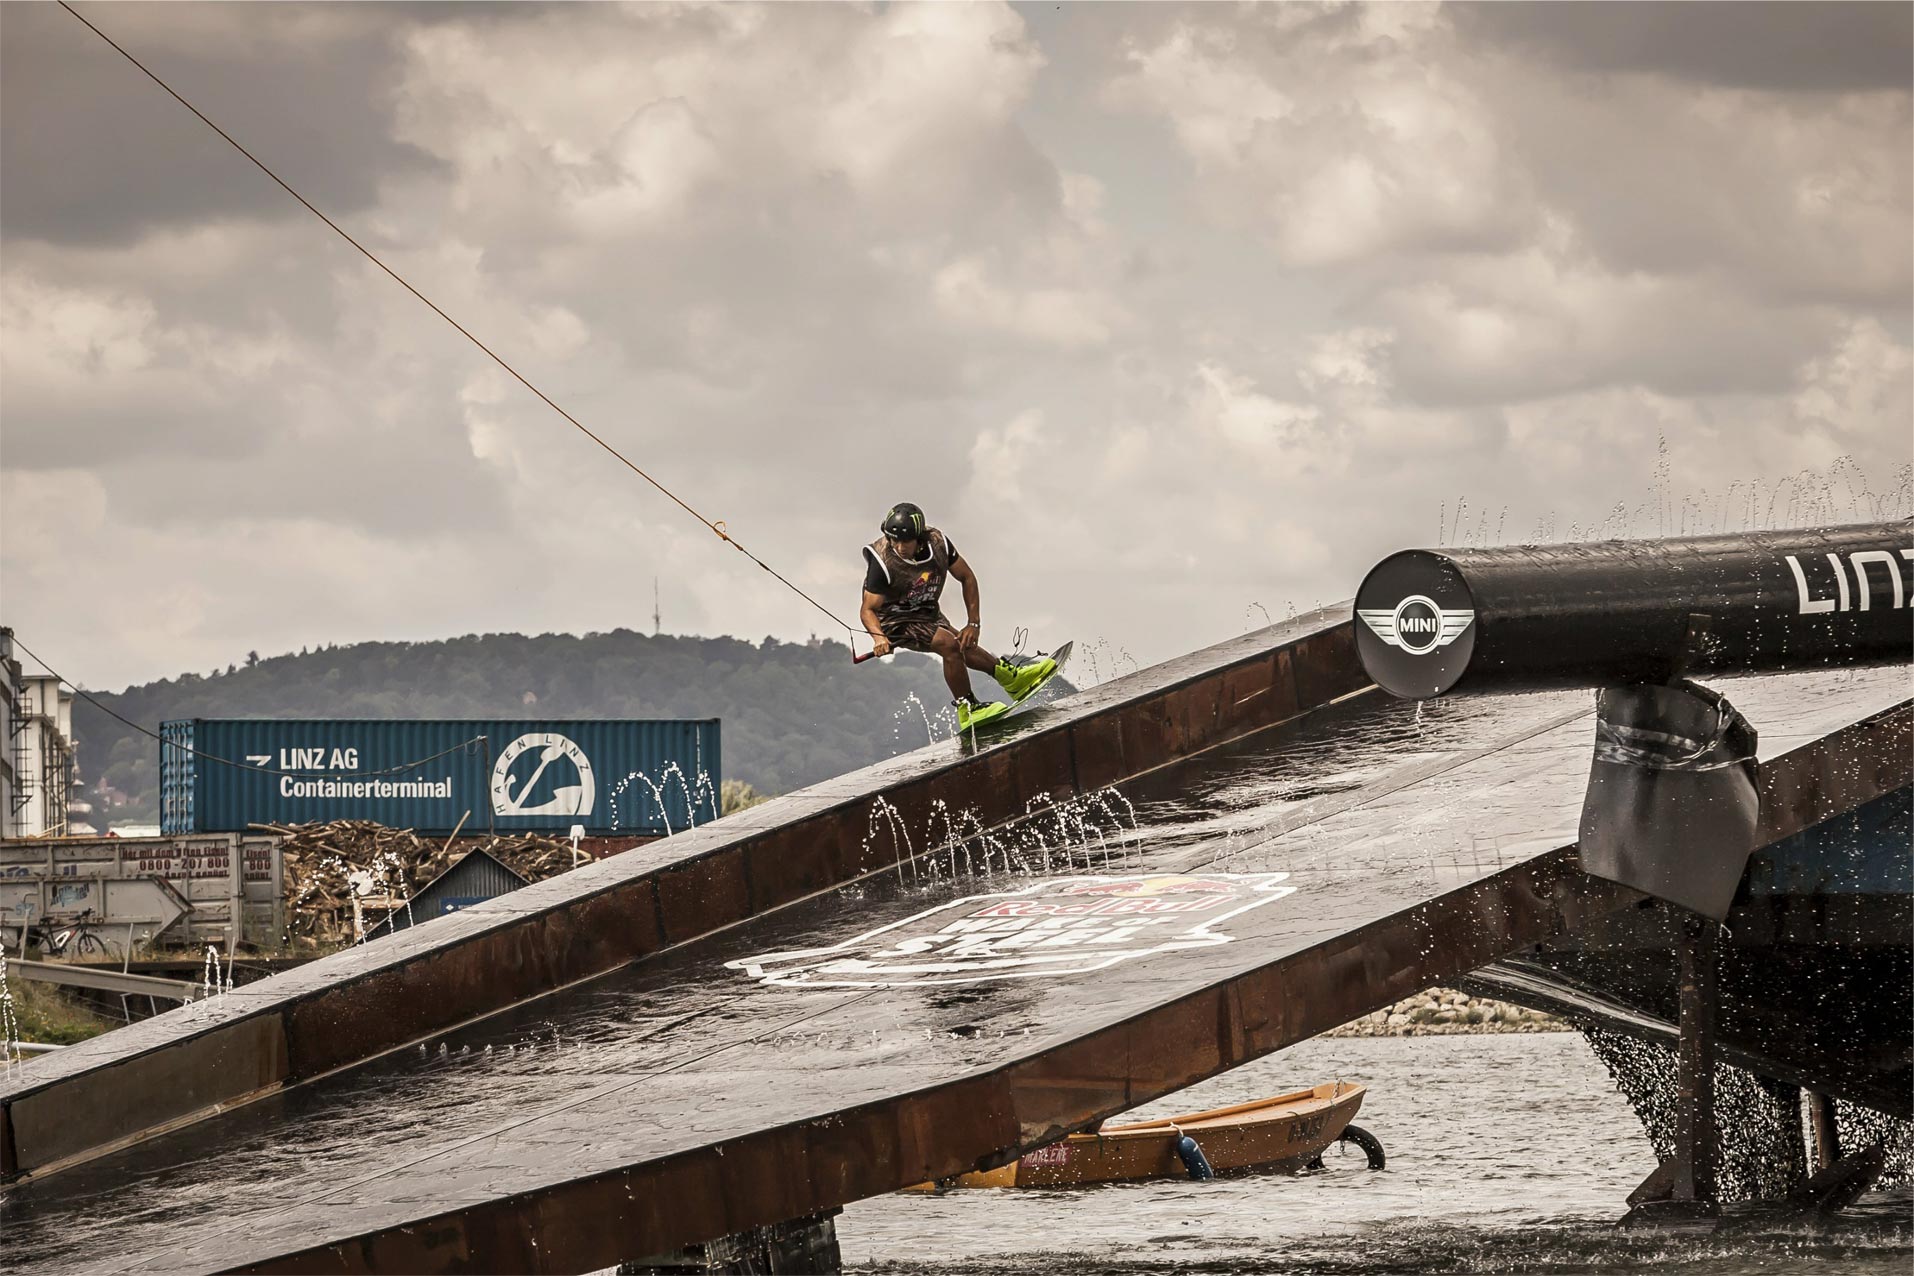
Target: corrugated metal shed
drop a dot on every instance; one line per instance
(613, 776)
(476, 877)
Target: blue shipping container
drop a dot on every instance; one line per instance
(222, 775)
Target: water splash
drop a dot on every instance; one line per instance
(901, 715)
(657, 795)
(691, 803)
(398, 874)
(1840, 492)
(985, 840)
(11, 1055)
(965, 835)
(1087, 831)
(706, 791)
(386, 875)
(213, 983)
(1112, 659)
(1105, 801)
(1060, 818)
(901, 849)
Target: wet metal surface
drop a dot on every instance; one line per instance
(341, 1010)
(679, 1099)
(1606, 613)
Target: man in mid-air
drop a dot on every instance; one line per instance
(904, 574)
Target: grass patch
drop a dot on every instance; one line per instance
(50, 1017)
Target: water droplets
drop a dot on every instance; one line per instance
(1090, 831)
(699, 794)
(10, 1052)
(213, 982)
(1110, 659)
(943, 726)
(1840, 492)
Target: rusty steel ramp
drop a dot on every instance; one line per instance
(353, 1006)
(941, 1014)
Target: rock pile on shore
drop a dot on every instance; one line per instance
(1441, 1011)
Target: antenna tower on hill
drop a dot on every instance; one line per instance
(657, 619)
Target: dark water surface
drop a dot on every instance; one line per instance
(1508, 1153)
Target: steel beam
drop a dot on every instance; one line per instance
(988, 1118)
(1528, 617)
(353, 1006)
(1826, 1129)
(1697, 1143)
(1781, 953)
(101, 979)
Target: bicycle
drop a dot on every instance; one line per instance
(79, 937)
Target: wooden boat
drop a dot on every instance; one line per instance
(1285, 1132)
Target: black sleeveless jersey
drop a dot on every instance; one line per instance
(909, 588)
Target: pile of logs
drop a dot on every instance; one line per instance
(331, 866)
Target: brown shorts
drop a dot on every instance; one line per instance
(913, 633)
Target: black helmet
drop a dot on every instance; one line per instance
(905, 522)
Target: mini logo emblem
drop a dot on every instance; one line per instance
(1416, 624)
(1062, 926)
(509, 796)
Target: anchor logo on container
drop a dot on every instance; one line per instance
(566, 799)
(1417, 624)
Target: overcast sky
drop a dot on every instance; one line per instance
(1172, 317)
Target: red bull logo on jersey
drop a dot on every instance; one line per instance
(1048, 929)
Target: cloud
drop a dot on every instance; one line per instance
(1795, 199)
(95, 153)
(1777, 46)
(1165, 312)
(1051, 316)
(1342, 133)
(1537, 324)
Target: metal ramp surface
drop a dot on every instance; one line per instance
(901, 1027)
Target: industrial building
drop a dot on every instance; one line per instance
(38, 773)
(475, 878)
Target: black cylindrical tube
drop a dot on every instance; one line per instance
(1529, 617)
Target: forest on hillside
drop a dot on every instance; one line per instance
(792, 713)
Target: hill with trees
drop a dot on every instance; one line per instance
(792, 713)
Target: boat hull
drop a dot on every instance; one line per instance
(1285, 1132)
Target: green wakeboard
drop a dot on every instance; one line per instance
(997, 709)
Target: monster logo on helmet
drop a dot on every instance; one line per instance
(905, 522)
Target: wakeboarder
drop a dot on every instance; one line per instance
(904, 574)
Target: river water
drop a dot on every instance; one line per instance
(1508, 1153)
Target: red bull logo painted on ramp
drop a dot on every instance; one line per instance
(1058, 927)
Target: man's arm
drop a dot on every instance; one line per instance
(972, 607)
(880, 645)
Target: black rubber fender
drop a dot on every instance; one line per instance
(1371, 1147)
(1198, 1165)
